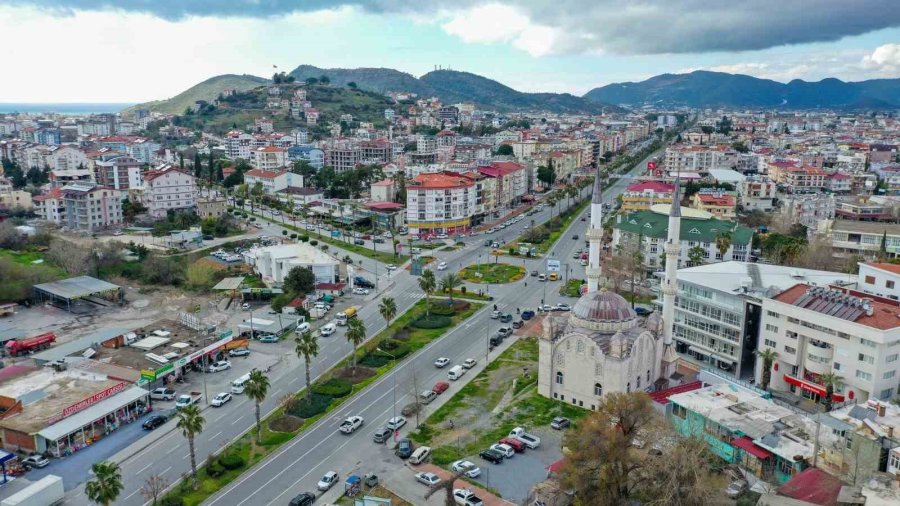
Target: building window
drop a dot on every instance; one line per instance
(891, 358)
(869, 359)
(770, 343)
(598, 369)
(648, 375)
(785, 467)
(638, 383)
(837, 366)
(771, 328)
(628, 388)
(559, 378)
(866, 342)
(886, 394)
(870, 280)
(559, 359)
(579, 347)
(863, 375)
(889, 375)
(889, 284)
(679, 411)
(598, 389)
(790, 350)
(773, 314)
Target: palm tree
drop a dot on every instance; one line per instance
(695, 255)
(768, 357)
(723, 242)
(449, 283)
(106, 485)
(552, 201)
(307, 346)
(256, 389)
(387, 309)
(831, 381)
(356, 334)
(571, 192)
(427, 283)
(191, 422)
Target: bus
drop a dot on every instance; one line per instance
(238, 385)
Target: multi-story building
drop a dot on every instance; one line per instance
(272, 181)
(117, 171)
(143, 150)
(342, 156)
(757, 194)
(238, 145)
(166, 188)
(439, 202)
(865, 238)
(67, 158)
(717, 203)
(50, 206)
(383, 191)
(821, 329)
(641, 196)
(511, 182)
(864, 208)
(15, 199)
(268, 158)
(803, 178)
(211, 207)
(880, 279)
(91, 207)
(811, 210)
(694, 158)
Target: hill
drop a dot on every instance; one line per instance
(452, 86)
(712, 89)
(207, 90)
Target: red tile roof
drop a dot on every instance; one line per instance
(384, 206)
(54, 193)
(656, 186)
(746, 444)
(438, 180)
(716, 200)
(264, 174)
(814, 486)
(662, 396)
(269, 149)
(384, 182)
(892, 268)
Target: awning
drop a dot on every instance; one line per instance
(75, 422)
(811, 387)
(746, 444)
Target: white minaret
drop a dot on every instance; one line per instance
(595, 237)
(670, 284)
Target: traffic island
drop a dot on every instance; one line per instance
(492, 273)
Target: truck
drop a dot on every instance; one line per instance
(529, 440)
(342, 317)
(47, 491)
(186, 400)
(30, 344)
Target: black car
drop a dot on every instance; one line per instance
(496, 340)
(154, 422)
(404, 448)
(382, 435)
(304, 499)
(642, 311)
(575, 237)
(363, 282)
(359, 242)
(492, 456)
(506, 318)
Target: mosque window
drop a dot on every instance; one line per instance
(568, 345)
(579, 347)
(559, 378)
(693, 231)
(638, 386)
(598, 389)
(628, 388)
(559, 359)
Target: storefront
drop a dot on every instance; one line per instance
(90, 420)
(196, 361)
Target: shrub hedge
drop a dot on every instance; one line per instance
(171, 501)
(442, 309)
(231, 461)
(335, 387)
(432, 322)
(214, 469)
(304, 408)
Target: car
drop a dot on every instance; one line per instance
(429, 479)
(351, 424)
(404, 448)
(504, 331)
(221, 365)
(382, 435)
(154, 422)
(442, 266)
(221, 399)
(583, 218)
(239, 352)
(542, 277)
(118, 233)
(527, 314)
(245, 306)
(642, 311)
(465, 497)
(440, 387)
(507, 451)
(575, 237)
(506, 318)
(163, 394)
(516, 445)
(546, 308)
(469, 363)
(471, 470)
(37, 461)
(562, 306)
(736, 489)
(270, 338)
(391, 267)
(494, 457)
(518, 324)
(495, 314)
(560, 422)
(534, 273)
(327, 481)
(387, 234)
(442, 236)
(360, 291)
(396, 422)
(441, 362)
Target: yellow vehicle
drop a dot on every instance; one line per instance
(553, 276)
(345, 315)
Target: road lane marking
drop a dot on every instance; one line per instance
(236, 420)
(171, 450)
(129, 496)
(166, 470)
(145, 468)
(217, 434)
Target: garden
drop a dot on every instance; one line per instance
(492, 273)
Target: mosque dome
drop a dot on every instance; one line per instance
(604, 310)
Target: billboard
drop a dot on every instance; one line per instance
(552, 265)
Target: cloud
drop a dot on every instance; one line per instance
(884, 60)
(572, 26)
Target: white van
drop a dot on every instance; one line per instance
(420, 455)
(427, 396)
(456, 372)
(303, 327)
(328, 329)
(238, 385)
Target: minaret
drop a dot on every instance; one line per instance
(595, 236)
(670, 284)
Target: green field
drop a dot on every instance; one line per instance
(492, 273)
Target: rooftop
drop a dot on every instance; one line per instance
(264, 174)
(857, 307)
(73, 288)
(301, 252)
(439, 180)
(655, 186)
(733, 277)
(655, 223)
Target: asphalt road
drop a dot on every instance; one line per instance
(298, 465)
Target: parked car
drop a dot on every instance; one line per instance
(441, 362)
(327, 481)
(471, 470)
(506, 318)
(505, 449)
(642, 311)
(562, 306)
(516, 445)
(494, 457)
(469, 363)
(534, 273)
(360, 291)
(359, 242)
(391, 267)
(270, 338)
(382, 435)
(518, 324)
(495, 315)
(303, 499)
(505, 331)
(440, 387)
(465, 497)
(429, 479)
(560, 422)
(396, 422)
(221, 365)
(35, 460)
(163, 394)
(442, 266)
(404, 448)
(575, 237)
(239, 352)
(530, 440)
(527, 314)
(220, 399)
(153, 422)
(736, 489)
(245, 306)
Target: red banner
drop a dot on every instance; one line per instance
(86, 403)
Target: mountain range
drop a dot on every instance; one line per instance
(713, 89)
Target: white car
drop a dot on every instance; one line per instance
(221, 365)
(562, 306)
(239, 352)
(327, 481)
(441, 362)
(429, 479)
(469, 363)
(245, 306)
(220, 399)
(351, 424)
(465, 497)
(391, 267)
(507, 451)
(360, 291)
(442, 266)
(442, 236)
(472, 471)
(396, 422)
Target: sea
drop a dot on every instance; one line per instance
(70, 108)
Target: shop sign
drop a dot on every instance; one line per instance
(553, 265)
(228, 337)
(151, 375)
(86, 403)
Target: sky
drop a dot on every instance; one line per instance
(139, 50)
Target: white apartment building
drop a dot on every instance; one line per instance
(143, 150)
(166, 188)
(810, 210)
(865, 238)
(91, 207)
(238, 144)
(757, 194)
(268, 158)
(65, 158)
(439, 203)
(272, 181)
(880, 279)
(694, 158)
(818, 330)
(50, 206)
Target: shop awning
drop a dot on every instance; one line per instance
(811, 387)
(75, 422)
(746, 444)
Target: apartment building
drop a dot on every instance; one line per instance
(865, 238)
(757, 194)
(315, 157)
(817, 330)
(272, 181)
(166, 188)
(50, 206)
(211, 207)
(342, 156)
(15, 199)
(238, 144)
(643, 195)
(91, 207)
(811, 210)
(117, 171)
(439, 203)
(511, 182)
(864, 208)
(695, 158)
(799, 178)
(881, 279)
(65, 158)
(715, 202)
(268, 158)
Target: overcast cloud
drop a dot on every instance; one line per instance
(544, 27)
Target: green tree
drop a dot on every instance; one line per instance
(546, 173)
(723, 242)
(388, 310)
(300, 281)
(695, 255)
(106, 486)
(356, 335)
(832, 381)
(190, 423)
(427, 283)
(505, 150)
(768, 357)
(198, 167)
(307, 347)
(257, 389)
(449, 283)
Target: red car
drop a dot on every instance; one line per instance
(517, 445)
(440, 387)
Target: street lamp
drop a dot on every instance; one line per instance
(394, 390)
